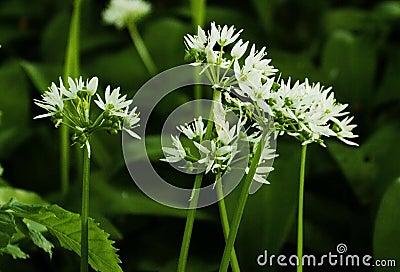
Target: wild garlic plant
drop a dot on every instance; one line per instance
(72, 106)
(127, 13)
(307, 112)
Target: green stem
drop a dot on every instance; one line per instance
(240, 206)
(142, 50)
(64, 159)
(71, 69)
(85, 211)
(183, 256)
(198, 9)
(300, 212)
(225, 222)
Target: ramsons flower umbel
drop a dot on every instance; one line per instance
(310, 112)
(71, 106)
(123, 12)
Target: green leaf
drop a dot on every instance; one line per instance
(35, 236)
(389, 10)
(1, 171)
(169, 32)
(349, 65)
(66, 227)
(6, 193)
(14, 251)
(387, 227)
(42, 74)
(7, 228)
(15, 104)
(345, 18)
(369, 168)
(111, 200)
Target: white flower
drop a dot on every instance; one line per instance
(123, 12)
(176, 153)
(258, 92)
(213, 157)
(226, 134)
(309, 112)
(114, 104)
(267, 155)
(131, 120)
(78, 85)
(239, 49)
(196, 42)
(223, 36)
(345, 130)
(196, 129)
(91, 86)
(52, 102)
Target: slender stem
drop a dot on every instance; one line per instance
(240, 206)
(198, 9)
(183, 256)
(64, 159)
(142, 50)
(225, 222)
(71, 69)
(85, 211)
(300, 212)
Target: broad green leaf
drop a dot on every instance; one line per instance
(14, 251)
(111, 200)
(7, 228)
(1, 171)
(42, 74)
(133, 150)
(15, 105)
(387, 227)
(108, 68)
(345, 19)
(269, 213)
(388, 10)
(388, 90)
(169, 32)
(66, 226)
(54, 37)
(6, 193)
(35, 236)
(349, 65)
(371, 166)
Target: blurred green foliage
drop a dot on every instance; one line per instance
(351, 193)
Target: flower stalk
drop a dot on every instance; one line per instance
(71, 69)
(241, 205)
(300, 207)
(85, 211)
(142, 49)
(187, 235)
(225, 222)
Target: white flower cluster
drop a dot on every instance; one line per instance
(213, 154)
(71, 107)
(310, 112)
(305, 111)
(123, 12)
